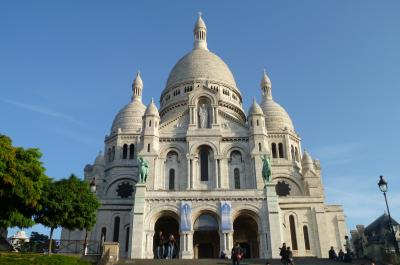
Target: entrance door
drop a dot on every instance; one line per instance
(168, 226)
(206, 237)
(245, 232)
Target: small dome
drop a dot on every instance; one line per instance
(276, 117)
(200, 22)
(265, 81)
(307, 159)
(99, 159)
(151, 109)
(200, 64)
(255, 108)
(138, 82)
(129, 118)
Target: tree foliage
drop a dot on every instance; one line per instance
(21, 179)
(84, 205)
(67, 203)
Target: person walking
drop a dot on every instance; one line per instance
(283, 254)
(237, 254)
(160, 249)
(289, 256)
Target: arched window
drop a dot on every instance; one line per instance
(259, 147)
(150, 123)
(280, 147)
(204, 164)
(293, 232)
(125, 151)
(127, 239)
(109, 155)
(296, 153)
(116, 229)
(148, 148)
(258, 123)
(273, 147)
(306, 239)
(131, 151)
(113, 153)
(172, 179)
(236, 175)
(103, 234)
(292, 153)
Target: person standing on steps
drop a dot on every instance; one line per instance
(160, 249)
(172, 250)
(237, 254)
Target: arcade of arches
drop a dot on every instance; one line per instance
(207, 234)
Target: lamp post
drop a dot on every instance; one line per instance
(383, 187)
(92, 185)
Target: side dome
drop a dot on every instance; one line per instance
(255, 109)
(276, 117)
(129, 118)
(200, 64)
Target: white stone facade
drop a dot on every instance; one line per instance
(205, 167)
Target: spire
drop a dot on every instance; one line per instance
(151, 109)
(137, 87)
(255, 108)
(200, 34)
(266, 86)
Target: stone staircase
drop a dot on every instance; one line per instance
(298, 261)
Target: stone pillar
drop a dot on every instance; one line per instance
(321, 226)
(136, 250)
(216, 173)
(225, 243)
(186, 245)
(275, 237)
(263, 245)
(189, 166)
(149, 245)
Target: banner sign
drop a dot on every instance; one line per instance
(186, 216)
(226, 218)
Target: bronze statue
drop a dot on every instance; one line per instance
(266, 170)
(143, 167)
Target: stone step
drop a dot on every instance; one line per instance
(297, 261)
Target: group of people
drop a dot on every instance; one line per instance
(286, 255)
(166, 248)
(340, 256)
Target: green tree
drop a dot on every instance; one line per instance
(83, 206)
(67, 203)
(55, 205)
(21, 179)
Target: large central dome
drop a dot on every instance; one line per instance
(200, 64)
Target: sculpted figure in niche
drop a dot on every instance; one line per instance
(203, 116)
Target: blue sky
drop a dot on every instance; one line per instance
(66, 68)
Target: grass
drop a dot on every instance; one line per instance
(7, 258)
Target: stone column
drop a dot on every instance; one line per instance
(136, 250)
(189, 182)
(216, 173)
(275, 237)
(186, 245)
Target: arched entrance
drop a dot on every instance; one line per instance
(206, 237)
(168, 225)
(245, 232)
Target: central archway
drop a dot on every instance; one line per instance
(168, 225)
(206, 237)
(245, 232)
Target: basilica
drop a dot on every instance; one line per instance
(204, 157)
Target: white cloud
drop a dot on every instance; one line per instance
(43, 111)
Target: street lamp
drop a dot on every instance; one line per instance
(383, 187)
(93, 185)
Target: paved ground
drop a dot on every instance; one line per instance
(298, 261)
